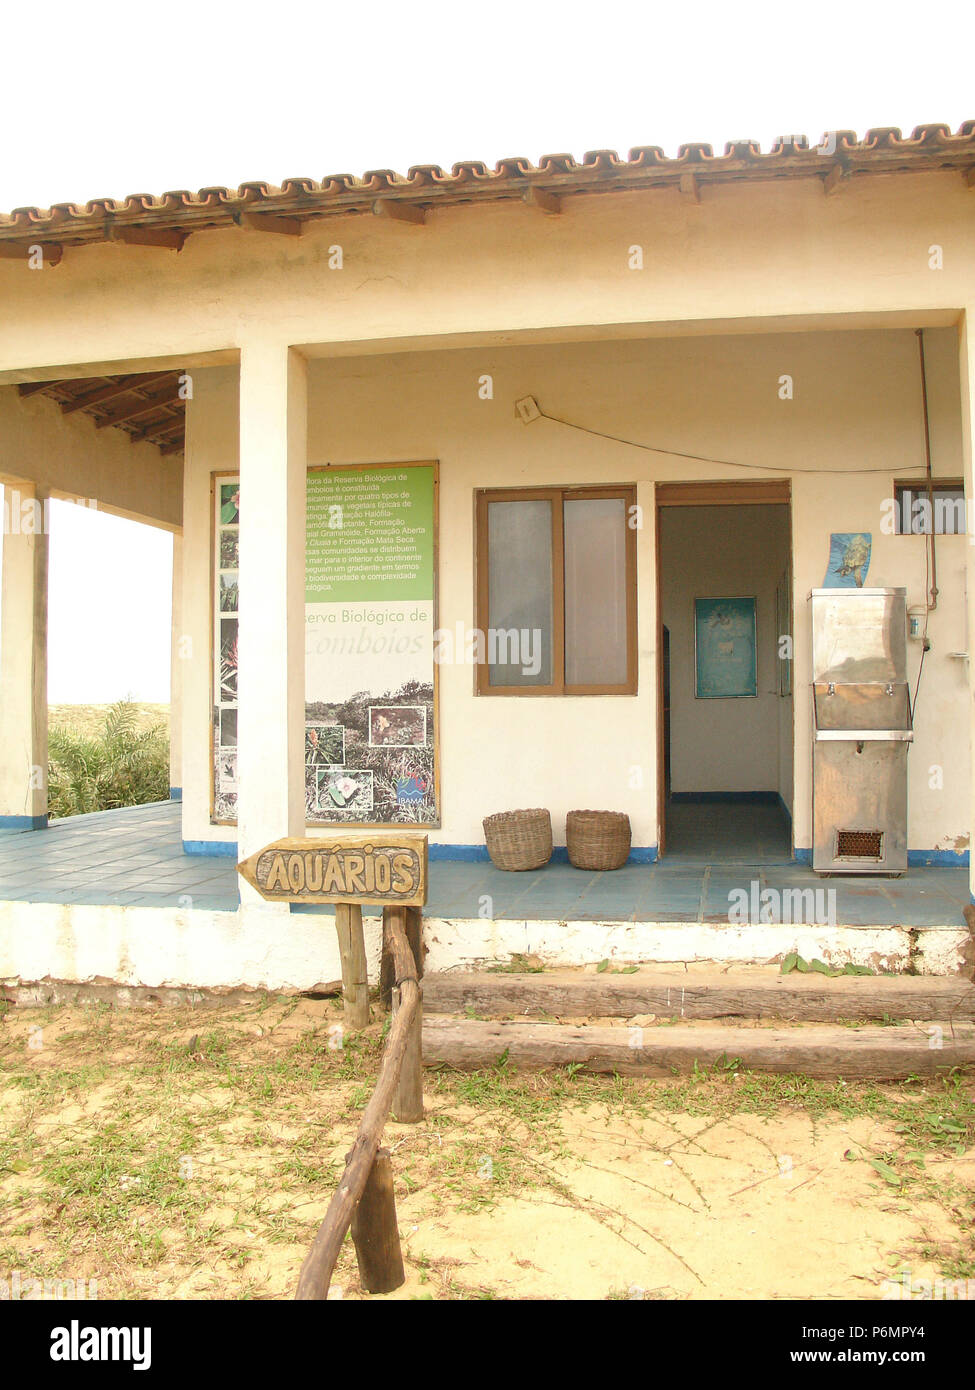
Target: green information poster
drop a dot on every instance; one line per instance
(370, 716)
(369, 535)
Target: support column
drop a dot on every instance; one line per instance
(967, 382)
(176, 676)
(23, 660)
(271, 632)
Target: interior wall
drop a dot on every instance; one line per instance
(723, 745)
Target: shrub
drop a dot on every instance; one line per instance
(121, 766)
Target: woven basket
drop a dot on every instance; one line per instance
(597, 839)
(519, 840)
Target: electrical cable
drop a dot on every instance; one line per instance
(723, 463)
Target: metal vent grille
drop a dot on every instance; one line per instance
(859, 844)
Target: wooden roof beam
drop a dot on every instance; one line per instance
(52, 251)
(142, 407)
(168, 238)
(690, 187)
(115, 388)
(267, 222)
(33, 388)
(160, 430)
(835, 177)
(175, 447)
(549, 203)
(399, 212)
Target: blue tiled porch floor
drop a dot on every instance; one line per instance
(135, 856)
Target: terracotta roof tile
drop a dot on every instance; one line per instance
(882, 150)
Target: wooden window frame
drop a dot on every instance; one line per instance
(557, 496)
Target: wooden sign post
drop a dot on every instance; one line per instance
(350, 870)
(388, 869)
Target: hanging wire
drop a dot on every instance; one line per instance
(723, 463)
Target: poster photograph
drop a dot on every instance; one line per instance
(228, 728)
(228, 593)
(343, 791)
(227, 772)
(230, 503)
(228, 660)
(229, 550)
(324, 745)
(724, 648)
(397, 726)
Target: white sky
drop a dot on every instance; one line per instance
(116, 98)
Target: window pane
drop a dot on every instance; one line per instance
(519, 636)
(914, 511)
(595, 591)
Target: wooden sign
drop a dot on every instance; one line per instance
(389, 868)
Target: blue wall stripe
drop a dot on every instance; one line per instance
(938, 857)
(214, 849)
(477, 854)
(471, 854)
(23, 822)
(916, 858)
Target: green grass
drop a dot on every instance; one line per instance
(96, 1134)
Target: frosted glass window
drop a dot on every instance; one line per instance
(595, 591)
(556, 591)
(520, 601)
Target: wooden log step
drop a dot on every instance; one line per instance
(870, 1052)
(802, 998)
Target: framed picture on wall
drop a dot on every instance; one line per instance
(725, 666)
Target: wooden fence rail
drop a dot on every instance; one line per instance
(364, 1198)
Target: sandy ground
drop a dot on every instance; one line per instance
(191, 1153)
(677, 1208)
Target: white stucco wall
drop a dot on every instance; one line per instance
(856, 406)
(263, 947)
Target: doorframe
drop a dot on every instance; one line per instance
(767, 492)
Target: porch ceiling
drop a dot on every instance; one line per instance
(146, 405)
(166, 221)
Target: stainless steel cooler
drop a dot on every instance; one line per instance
(861, 729)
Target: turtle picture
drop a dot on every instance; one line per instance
(856, 557)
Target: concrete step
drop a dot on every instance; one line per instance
(869, 1052)
(700, 995)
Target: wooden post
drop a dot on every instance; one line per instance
(408, 1096)
(411, 919)
(375, 1232)
(352, 949)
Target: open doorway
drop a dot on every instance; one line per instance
(726, 708)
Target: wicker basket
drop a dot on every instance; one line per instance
(597, 839)
(519, 840)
